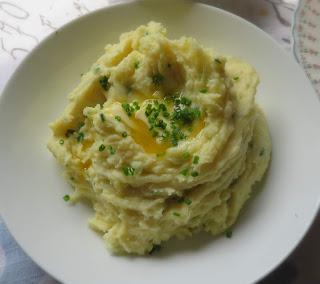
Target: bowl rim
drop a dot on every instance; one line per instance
(294, 31)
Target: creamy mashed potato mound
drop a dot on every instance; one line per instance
(164, 138)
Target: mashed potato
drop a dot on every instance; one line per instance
(164, 138)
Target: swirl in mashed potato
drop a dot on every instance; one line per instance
(164, 138)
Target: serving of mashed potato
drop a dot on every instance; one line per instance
(164, 138)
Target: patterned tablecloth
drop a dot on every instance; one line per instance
(23, 23)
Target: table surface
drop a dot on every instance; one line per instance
(23, 23)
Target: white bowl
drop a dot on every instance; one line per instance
(56, 235)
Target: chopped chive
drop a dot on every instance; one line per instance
(111, 150)
(236, 78)
(135, 105)
(101, 147)
(161, 124)
(102, 117)
(217, 61)
(162, 107)
(176, 214)
(228, 234)
(104, 82)
(204, 90)
(127, 108)
(166, 114)
(176, 135)
(148, 110)
(80, 137)
(117, 117)
(136, 64)
(128, 171)
(130, 108)
(185, 101)
(124, 134)
(97, 70)
(261, 153)
(61, 141)
(187, 201)
(196, 159)
(194, 173)
(185, 172)
(185, 115)
(66, 198)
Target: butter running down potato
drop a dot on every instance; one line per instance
(164, 138)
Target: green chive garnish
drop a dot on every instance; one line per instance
(97, 70)
(136, 64)
(124, 134)
(194, 173)
(102, 117)
(101, 147)
(104, 82)
(196, 159)
(128, 171)
(111, 150)
(184, 172)
(80, 137)
(66, 198)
